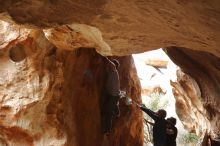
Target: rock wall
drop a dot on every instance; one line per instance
(49, 96)
(197, 91)
(82, 91)
(114, 27)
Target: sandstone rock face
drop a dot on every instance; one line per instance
(128, 26)
(189, 104)
(47, 97)
(70, 37)
(28, 86)
(197, 94)
(83, 88)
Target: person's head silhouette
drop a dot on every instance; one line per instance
(161, 113)
(172, 121)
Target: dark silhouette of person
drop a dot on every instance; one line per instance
(112, 94)
(171, 131)
(159, 126)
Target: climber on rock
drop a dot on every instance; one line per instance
(112, 94)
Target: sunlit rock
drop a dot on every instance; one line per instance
(188, 104)
(197, 90)
(71, 37)
(10, 33)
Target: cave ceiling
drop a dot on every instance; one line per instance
(126, 26)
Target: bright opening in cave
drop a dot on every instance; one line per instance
(155, 70)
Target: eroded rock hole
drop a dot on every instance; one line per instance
(17, 53)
